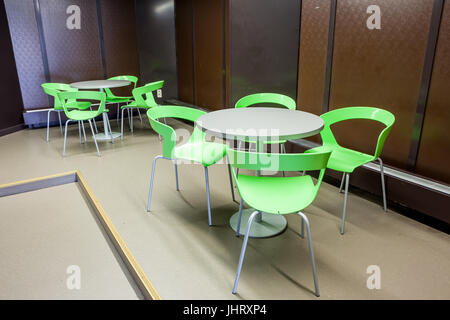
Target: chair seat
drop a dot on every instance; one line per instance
(134, 104)
(277, 195)
(76, 105)
(118, 99)
(343, 159)
(79, 115)
(206, 153)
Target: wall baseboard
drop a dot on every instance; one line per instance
(12, 129)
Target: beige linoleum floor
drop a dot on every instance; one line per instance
(186, 259)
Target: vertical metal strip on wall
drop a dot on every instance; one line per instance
(194, 90)
(100, 33)
(37, 12)
(299, 41)
(436, 16)
(329, 66)
(224, 61)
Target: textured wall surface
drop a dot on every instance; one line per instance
(27, 52)
(380, 68)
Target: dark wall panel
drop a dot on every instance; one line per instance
(155, 21)
(73, 55)
(208, 59)
(264, 47)
(434, 150)
(184, 44)
(313, 55)
(380, 68)
(119, 34)
(27, 51)
(11, 106)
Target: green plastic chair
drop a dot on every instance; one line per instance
(195, 150)
(112, 98)
(143, 99)
(52, 89)
(277, 195)
(273, 98)
(347, 160)
(83, 115)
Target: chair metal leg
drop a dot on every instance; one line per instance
(342, 182)
(95, 123)
(84, 131)
(121, 126)
(48, 124)
(238, 228)
(176, 174)
(79, 131)
(110, 130)
(151, 182)
(131, 120)
(118, 112)
(244, 247)
(231, 182)
(65, 138)
(302, 233)
(383, 187)
(347, 178)
(140, 117)
(60, 124)
(93, 136)
(311, 252)
(207, 196)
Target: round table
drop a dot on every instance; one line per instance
(101, 85)
(260, 124)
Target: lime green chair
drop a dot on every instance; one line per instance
(269, 98)
(195, 150)
(52, 89)
(83, 115)
(347, 160)
(112, 98)
(277, 195)
(143, 99)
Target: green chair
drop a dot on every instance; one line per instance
(272, 98)
(112, 98)
(143, 99)
(52, 89)
(195, 150)
(346, 160)
(83, 115)
(277, 195)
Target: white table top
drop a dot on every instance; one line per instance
(260, 123)
(100, 84)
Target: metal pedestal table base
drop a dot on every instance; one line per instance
(270, 226)
(102, 136)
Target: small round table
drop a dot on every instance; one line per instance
(102, 84)
(260, 124)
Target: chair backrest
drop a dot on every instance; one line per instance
(147, 91)
(67, 96)
(257, 98)
(279, 162)
(349, 113)
(132, 79)
(53, 88)
(167, 132)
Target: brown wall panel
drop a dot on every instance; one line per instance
(434, 150)
(183, 24)
(315, 20)
(119, 34)
(313, 55)
(73, 55)
(208, 44)
(380, 68)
